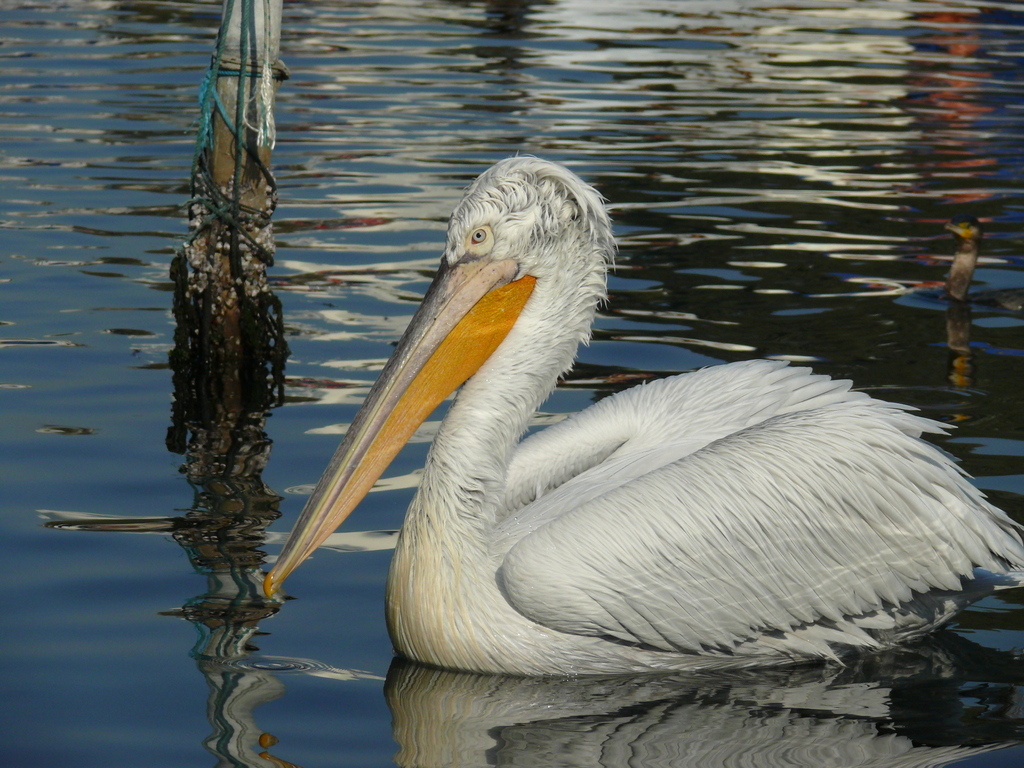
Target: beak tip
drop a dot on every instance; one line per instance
(270, 585)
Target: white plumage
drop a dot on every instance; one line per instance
(744, 514)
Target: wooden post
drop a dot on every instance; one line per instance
(229, 351)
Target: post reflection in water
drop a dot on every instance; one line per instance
(222, 534)
(802, 716)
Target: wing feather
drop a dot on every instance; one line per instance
(624, 436)
(807, 516)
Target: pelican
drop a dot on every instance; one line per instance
(967, 233)
(743, 514)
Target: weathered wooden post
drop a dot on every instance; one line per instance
(229, 353)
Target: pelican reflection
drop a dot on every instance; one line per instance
(903, 709)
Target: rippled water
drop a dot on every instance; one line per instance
(778, 174)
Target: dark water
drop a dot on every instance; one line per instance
(779, 175)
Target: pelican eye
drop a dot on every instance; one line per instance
(479, 241)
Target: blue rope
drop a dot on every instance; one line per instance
(204, 191)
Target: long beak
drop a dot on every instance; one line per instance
(467, 312)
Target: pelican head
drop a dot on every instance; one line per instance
(528, 236)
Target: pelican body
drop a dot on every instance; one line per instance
(744, 514)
